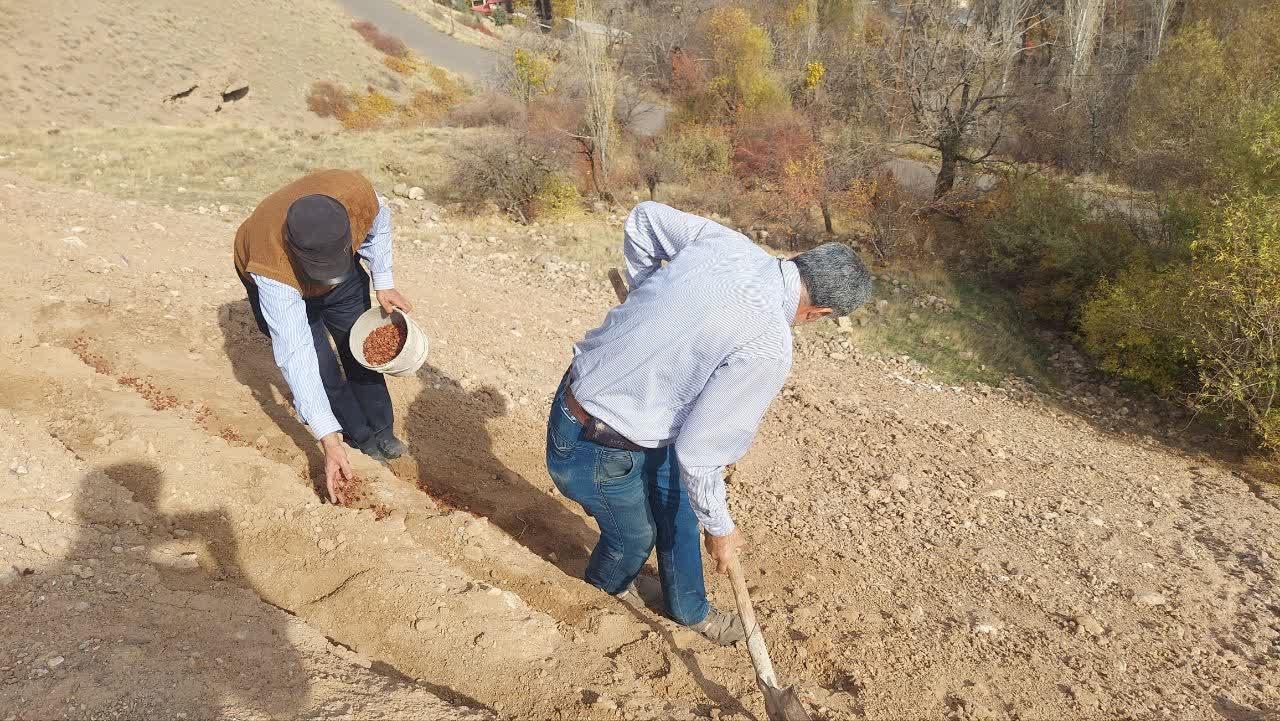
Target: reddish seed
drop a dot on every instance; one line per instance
(384, 343)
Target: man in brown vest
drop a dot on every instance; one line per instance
(296, 255)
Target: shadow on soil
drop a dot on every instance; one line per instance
(454, 461)
(128, 618)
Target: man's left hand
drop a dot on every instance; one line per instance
(390, 299)
(722, 549)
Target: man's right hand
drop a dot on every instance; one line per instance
(336, 466)
(724, 548)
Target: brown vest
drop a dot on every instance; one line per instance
(260, 242)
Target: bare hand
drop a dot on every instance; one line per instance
(724, 548)
(391, 299)
(336, 466)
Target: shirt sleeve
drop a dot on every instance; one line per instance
(653, 233)
(291, 342)
(721, 428)
(376, 248)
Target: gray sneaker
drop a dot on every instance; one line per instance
(720, 627)
(631, 597)
(391, 446)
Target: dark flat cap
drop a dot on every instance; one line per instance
(319, 238)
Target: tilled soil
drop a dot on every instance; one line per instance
(918, 550)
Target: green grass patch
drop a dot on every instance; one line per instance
(981, 339)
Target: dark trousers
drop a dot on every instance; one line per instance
(359, 398)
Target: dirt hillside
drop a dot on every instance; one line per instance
(65, 63)
(919, 550)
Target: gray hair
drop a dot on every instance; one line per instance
(835, 277)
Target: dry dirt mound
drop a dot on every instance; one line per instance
(114, 62)
(918, 550)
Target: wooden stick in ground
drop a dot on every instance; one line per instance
(780, 704)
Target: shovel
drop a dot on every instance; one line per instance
(780, 704)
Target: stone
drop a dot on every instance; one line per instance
(401, 189)
(82, 571)
(1089, 625)
(1150, 598)
(74, 241)
(235, 89)
(55, 662)
(844, 321)
(985, 626)
(232, 182)
(899, 482)
(416, 193)
(882, 306)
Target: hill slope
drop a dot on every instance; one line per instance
(918, 550)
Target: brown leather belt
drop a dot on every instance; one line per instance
(596, 430)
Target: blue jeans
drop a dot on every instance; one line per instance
(638, 502)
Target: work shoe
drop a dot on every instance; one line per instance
(391, 446)
(720, 627)
(373, 449)
(631, 596)
(642, 593)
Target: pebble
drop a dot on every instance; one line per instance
(82, 606)
(327, 544)
(1089, 624)
(1150, 598)
(74, 241)
(55, 662)
(899, 482)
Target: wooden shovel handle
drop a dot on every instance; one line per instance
(755, 640)
(619, 285)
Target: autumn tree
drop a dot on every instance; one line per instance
(955, 77)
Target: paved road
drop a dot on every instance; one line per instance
(472, 61)
(441, 49)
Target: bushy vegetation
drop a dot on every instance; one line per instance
(817, 120)
(384, 43)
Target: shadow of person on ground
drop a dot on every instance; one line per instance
(127, 626)
(254, 366)
(453, 460)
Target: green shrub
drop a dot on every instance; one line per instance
(1050, 248)
(700, 150)
(1210, 323)
(1232, 319)
(558, 198)
(1130, 325)
(500, 16)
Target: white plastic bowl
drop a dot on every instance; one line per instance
(411, 357)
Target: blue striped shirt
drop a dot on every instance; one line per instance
(697, 352)
(292, 343)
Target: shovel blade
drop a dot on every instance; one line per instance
(783, 704)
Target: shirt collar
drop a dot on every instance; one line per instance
(790, 290)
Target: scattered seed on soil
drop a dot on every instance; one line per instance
(384, 343)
